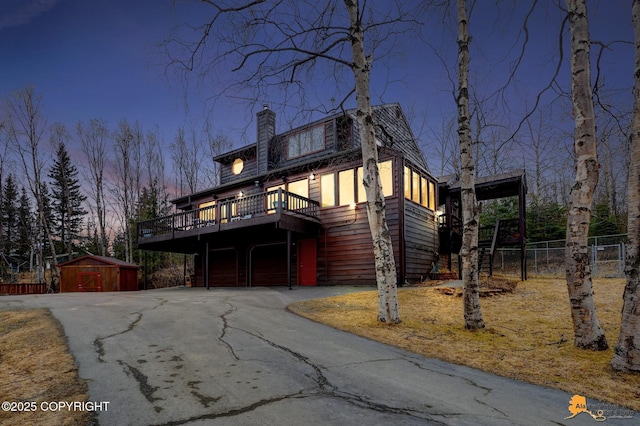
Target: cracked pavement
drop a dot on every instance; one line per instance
(188, 356)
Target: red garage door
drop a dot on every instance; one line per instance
(223, 267)
(269, 265)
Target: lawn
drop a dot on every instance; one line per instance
(37, 368)
(528, 334)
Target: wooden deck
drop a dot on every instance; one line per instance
(281, 209)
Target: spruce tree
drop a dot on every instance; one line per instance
(9, 229)
(41, 239)
(25, 227)
(67, 199)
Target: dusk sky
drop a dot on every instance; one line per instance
(102, 59)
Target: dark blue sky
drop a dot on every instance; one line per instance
(101, 59)
(89, 59)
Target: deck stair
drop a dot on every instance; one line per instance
(487, 243)
(504, 233)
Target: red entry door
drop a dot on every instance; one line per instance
(307, 262)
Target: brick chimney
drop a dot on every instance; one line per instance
(266, 120)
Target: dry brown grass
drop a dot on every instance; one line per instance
(529, 334)
(36, 366)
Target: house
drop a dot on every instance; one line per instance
(290, 208)
(97, 274)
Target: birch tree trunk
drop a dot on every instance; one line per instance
(587, 331)
(626, 355)
(382, 247)
(470, 211)
(93, 140)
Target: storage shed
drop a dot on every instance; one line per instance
(97, 273)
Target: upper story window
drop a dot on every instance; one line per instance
(299, 187)
(328, 190)
(419, 188)
(385, 169)
(237, 166)
(306, 142)
(346, 188)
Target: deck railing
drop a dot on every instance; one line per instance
(230, 210)
(23, 288)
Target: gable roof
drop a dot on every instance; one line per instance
(392, 132)
(112, 261)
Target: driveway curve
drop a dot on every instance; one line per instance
(188, 356)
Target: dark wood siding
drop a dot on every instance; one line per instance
(346, 248)
(420, 241)
(113, 275)
(278, 151)
(394, 132)
(249, 169)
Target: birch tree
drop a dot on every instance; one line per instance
(27, 128)
(187, 160)
(128, 142)
(382, 246)
(93, 138)
(279, 44)
(626, 355)
(470, 210)
(586, 328)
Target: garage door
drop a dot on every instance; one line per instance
(269, 265)
(223, 266)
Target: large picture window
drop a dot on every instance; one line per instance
(327, 190)
(346, 188)
(300, 187)
(386, 179)
(419, 189)
(306, 142)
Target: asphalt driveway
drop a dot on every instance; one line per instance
(188, 356)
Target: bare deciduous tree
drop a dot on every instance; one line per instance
(470, 209)
(128, 168)
(27, 128)
(187, 158)
(626, 356)
(586, 328)
(216, 144)
(153, 159)
(93, 138)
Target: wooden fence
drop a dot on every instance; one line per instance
(22, 288)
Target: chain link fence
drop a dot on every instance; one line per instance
(546, 258)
